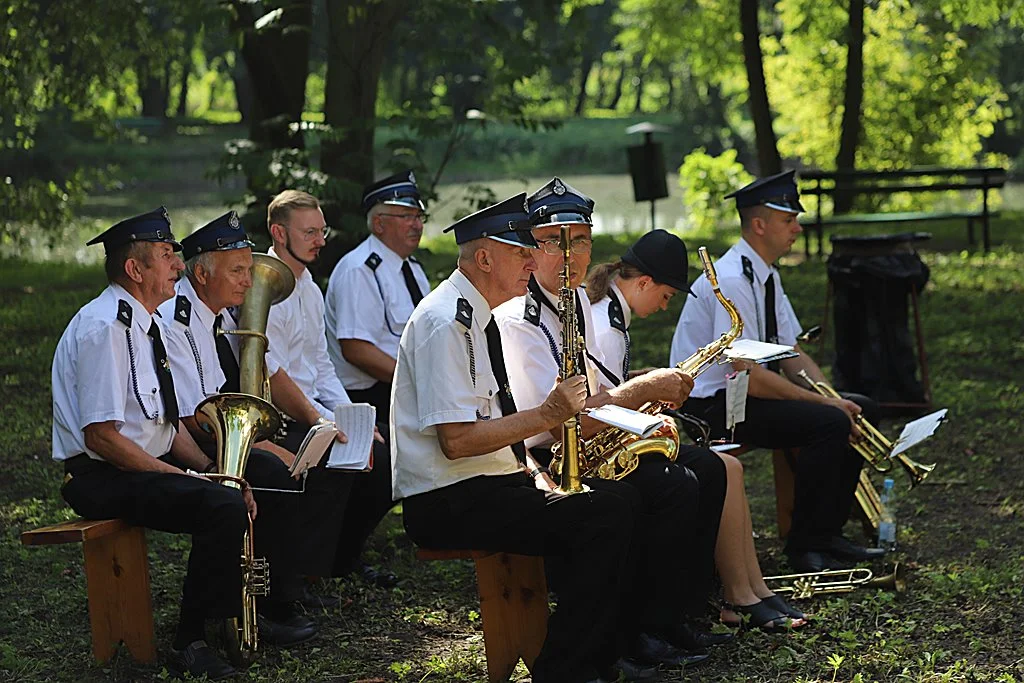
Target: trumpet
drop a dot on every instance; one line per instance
(803, 586)
(871, 444)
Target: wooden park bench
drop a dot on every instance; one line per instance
(117, 582)
(513, 606)
(915, 180)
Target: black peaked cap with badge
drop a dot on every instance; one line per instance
(506, 221)
(152, 226)
(661, 255)
(558, 203)
(777, 192)
(221, 234)
(398, 190)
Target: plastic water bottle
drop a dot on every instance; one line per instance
(887, 523)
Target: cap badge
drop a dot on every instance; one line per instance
(558, 188)
(165, 215)
(412, 177)
(233, 220)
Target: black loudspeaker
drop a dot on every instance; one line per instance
(647, 167)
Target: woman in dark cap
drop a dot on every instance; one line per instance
(642, 282)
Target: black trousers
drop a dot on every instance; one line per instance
(583, 539)
(213, 514)
(700, 569)
(825, 474)
(379, 396)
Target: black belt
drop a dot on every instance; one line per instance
(80, 464)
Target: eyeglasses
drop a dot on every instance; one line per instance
(310, 234)
(580, 245)
(408, 218)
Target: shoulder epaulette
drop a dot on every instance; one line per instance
(124, 312)
(748, 268)
(616, 318)
(531, 313)
(183, 310)
(372, 261)
(464, 313)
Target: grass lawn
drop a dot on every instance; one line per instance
(962, 618)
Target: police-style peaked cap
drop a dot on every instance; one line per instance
(399, 189)
(220, 234)
(558, 203)
(153, 226)
(506, 221)
(661, 255)
(776, 192)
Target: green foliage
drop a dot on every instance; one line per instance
(705, 181)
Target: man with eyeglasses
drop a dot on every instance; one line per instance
(373, 291)
(308, 390)
(678, 503)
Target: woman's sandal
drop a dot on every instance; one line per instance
(776, 602)
(762, 617)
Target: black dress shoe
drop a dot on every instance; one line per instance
(653, 650)
(378, 577)
(688, 638)
(198, 660)
(294, 630)
(812, 561)
(311, 600)
(845, 549)
(630, 670)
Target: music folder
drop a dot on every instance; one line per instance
(314, 447)
(758, 351)
(632, 421)
(356, 421)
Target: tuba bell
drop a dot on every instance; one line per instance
(237, 421)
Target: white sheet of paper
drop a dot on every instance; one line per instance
(725, 447)
(917, 431)
(757, 351)
(356, 420)
(632, 421)
(736, 398)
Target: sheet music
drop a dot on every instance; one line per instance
(757, 351)
(917, 431)
(725, 447)
(632, 421)
(313, 448)
(356, 420)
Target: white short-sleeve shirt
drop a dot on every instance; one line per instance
(368, 299)
(104, 370)
(298, 344)
(533, 350)
(443, 375)
(191, 347)
(611, 338)
(704, 319)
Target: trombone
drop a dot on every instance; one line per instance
(803, 586)
(871, 444)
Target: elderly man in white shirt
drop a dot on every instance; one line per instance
(298, 346)
(116, 431)
(781, 412)
(460, 464)
(373, 291)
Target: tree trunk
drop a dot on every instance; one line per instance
(243, 90)
(586, 67)
(186, 71)
(277, 59)
(639, 80)
(853, 98)
(768, 158)
(669, 78)
(617, 91)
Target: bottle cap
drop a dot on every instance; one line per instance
(888, 483)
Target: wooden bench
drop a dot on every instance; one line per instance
(513, 605)
(117, 582)
(915, 180)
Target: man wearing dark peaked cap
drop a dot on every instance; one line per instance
(458, 458)
(116, 429)
(781, 410)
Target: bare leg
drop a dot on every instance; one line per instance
(735, 546)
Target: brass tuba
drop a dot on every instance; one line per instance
(236, 421)
(803, 586)
(871, 444)
(613, 453)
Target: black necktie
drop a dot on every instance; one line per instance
(163, 376)
(226, 357)
(771, 324)
(508, 404)
(411, 284)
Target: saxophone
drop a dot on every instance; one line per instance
(572, 364)
(614, 453)
(236, 421)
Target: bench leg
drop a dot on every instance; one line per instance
(117, 578)
(514, 608)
